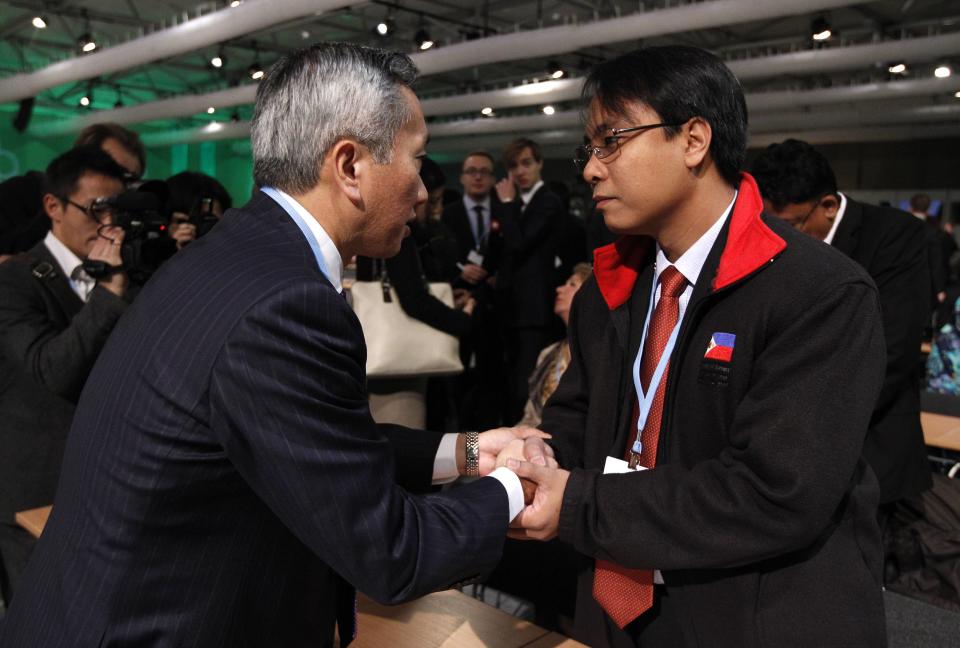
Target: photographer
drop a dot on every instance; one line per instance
(195, 203)
(54, 320)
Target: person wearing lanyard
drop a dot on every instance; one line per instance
(706, 459)
(224, 483)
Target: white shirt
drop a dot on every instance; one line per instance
(691, 262)
(836, 221)
(328, 250)
(527, 195)
(445, 462)
(71, 266)
(469, 203)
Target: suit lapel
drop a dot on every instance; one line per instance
(847, 235)
(54, 282)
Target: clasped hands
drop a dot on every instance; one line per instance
(522, 450)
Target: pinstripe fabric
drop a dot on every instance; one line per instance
(223, 474)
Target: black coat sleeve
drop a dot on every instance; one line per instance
(406, 277)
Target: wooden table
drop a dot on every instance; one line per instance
(449, 620)
(34, 520)
(941, 431)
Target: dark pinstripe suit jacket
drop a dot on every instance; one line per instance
(223, 480)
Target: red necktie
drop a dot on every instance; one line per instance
(626, 593)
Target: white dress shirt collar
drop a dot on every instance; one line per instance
(836, 221)
(527, 195)
(71, 266)
(690, 263)
(470, 203)
(329, 251)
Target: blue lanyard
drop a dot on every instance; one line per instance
(645, 400)
(311, 239)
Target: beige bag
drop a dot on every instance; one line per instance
(397, 344)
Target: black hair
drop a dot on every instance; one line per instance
(678, 83)
(97, 134)
(67, 169)
(793, 172)
(188, 188)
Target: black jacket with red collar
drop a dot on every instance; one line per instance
(761, 512)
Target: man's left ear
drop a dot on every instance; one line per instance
(831, 205)
(698, 136)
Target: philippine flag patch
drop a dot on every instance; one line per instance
(721, 347)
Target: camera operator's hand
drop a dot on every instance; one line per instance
(183, 233)
(107, 249)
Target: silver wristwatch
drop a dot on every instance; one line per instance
(473, 454)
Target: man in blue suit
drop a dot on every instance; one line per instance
(223, 482)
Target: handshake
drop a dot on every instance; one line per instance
(523, 450)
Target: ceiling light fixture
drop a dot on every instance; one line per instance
(820, 29)
(897, 68)
(255, 71)
(957, 94)
(554, 70)
(218, 60)
(84, 101)
(39, 22)
(549, 110)
(487, 111)
(235, 3)
(943, 71)
(86, 43)
(422, 39)
(211, 110)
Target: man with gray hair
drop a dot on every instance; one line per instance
(228, 487)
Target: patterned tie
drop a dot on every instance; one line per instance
(480, 229)
(627, 593)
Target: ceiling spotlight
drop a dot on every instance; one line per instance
(84, 101)
(255, 71)
(304, 34)
(422, 39)
(897, 68)
(39, 22)
(235, 3)
(384, 27)
(548, 110)
(820, 29)
(554, 70)
(86, 43)
(218, 61)
(957, 94)
(211, 110)
(487, 111)
(943, 71)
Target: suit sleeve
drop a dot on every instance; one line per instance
(793, 446)
(288, 403)
(901, 274)
(59, 359)
(406, 276)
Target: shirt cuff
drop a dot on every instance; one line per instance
(445, 462)
(511, 483)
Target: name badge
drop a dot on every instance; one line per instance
(475, 258)
(614, 465)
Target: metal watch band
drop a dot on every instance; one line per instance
(473, 454)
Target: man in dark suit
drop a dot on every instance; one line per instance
(223, 482)
(475, 223)
(532, 218)
(723, 370)
(799, 187)
(54, 320)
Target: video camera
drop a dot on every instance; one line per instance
(145, 244)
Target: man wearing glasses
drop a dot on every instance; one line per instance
(799, 187)
(54, 320)
(472, 219)
(707, 435)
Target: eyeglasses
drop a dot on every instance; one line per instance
(99, 210)
(483, 173)
(611, 144)
(798, 223)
